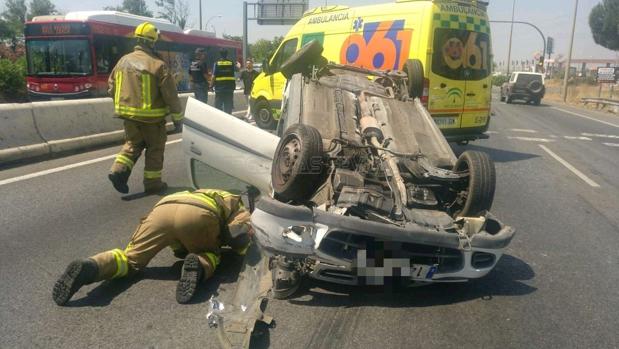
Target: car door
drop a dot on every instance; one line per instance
(277, 79)
(224, 152)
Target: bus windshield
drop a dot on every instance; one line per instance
(59, 57)
(461, 54)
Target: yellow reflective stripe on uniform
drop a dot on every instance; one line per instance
(243, 251)
(224, 78)
(210, 202)
(224, 63)
(130, 111)
(177, 116)
(146, 92)
(212, 258)
(125, 160)
(118, 86)
(152, 174)
(122, 266)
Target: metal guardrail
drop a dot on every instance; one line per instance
(603, 101)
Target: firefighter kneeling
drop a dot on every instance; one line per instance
(194, 224)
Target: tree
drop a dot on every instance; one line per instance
(263, 48)
(136, 7)
(604, 23)
(41, 8)
(12, 22)
(175, 11)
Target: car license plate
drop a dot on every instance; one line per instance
(445, 120)
(423, 271)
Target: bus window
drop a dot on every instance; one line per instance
(108, 50)
(285, 51)
(59, 57)
(461, 54)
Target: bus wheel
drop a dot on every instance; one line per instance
(414, 70)
(263, 115)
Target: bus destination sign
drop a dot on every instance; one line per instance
(45, 29)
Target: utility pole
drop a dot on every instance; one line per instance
(511, 32)
(569, 56)
(200, 2)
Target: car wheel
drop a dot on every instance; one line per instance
(479, 193)
(263, 115)
(414, 71)
(537, 101)
(297, 164)
(502, 98)
(535, 87)
(309, 54)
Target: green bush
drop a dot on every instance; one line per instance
(499, 80)
(13, 80)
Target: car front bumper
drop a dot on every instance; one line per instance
(332, 244)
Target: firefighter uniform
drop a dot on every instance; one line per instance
(197, 222)
(224, 83)
(144, 92)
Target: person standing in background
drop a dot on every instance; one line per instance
(248, 76)
(199, 76)
(224, 83)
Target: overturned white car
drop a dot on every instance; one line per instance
(359, 186)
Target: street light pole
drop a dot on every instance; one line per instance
(511, 32)
(569, 56)
(200, 2)
(209, 21)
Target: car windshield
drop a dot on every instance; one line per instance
(461, 54)
(59, 57)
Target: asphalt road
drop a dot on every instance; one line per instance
(556, 287)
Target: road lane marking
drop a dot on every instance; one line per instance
(523, 130)
(570, 167)
(599, 135)
(64, 168)
(492, 132)
(587, 117)
(612, 144)
(578, 138)
(530, 139)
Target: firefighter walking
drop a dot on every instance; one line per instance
(224, 83)
(194, 224)
(144, 92)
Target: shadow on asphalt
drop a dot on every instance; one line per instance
(140, 195)
(225, 276)
(497, 155)
(505, 280)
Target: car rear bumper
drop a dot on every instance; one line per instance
(333, 242)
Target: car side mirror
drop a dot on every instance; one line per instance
(265, 67)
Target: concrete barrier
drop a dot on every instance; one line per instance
(44, 128)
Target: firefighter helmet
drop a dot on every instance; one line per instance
(147, 31)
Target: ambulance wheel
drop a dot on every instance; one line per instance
(297, 165)
(414, 70)
(263, 115)
(309, 54)
(478, 195)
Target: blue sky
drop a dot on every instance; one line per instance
(552, 16)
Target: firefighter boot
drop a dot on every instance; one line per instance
(155, 188)
(78, 273)
(119, 180)
(190, 278)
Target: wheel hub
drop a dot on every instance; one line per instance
(288, 157)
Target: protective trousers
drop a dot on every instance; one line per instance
(140, 136)
(176, 225)
(224, 101)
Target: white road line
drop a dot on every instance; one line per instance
(599, 135)
(529, 139)
(578, 138)
(64, 168)
(523, 130)
(570, 167)
(612, 144)
(492, 132)
(587, 117)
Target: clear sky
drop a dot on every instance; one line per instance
(552, 16)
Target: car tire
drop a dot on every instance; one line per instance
(297, 164)
(307, 55)
(535, 87)
(263, 115)
(537, 101)
(481, 185)
(414, 71)
(502, 98)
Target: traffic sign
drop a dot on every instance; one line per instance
(608, 75)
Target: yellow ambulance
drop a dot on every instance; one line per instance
(444, 46)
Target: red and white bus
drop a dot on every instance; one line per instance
(71, 56)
